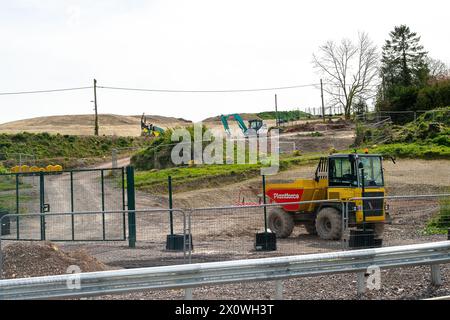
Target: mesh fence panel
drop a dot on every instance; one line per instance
(411, 220)
(152, 229)
(22, 226)
(230, 233)
(62, 192)
(29, 190)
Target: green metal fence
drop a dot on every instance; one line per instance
(99, 190)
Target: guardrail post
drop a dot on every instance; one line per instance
(436, 275)
(188, 294)
(361, 282)
(279, 290)
(131, 208)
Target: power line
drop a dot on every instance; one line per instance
(44, 91)
(161, 90)
(209, 91)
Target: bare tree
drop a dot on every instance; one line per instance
(438, 70)
(349, 71)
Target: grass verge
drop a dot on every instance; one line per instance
(204, 176)
(413, 150)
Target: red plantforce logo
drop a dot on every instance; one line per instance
(286, 196)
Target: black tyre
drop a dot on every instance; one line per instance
(311, 228)
(329, 224)
(281, 222)
(378, 229)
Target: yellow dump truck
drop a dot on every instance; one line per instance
(338, 178)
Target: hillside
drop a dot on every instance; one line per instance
(110, 124)
(67, 150)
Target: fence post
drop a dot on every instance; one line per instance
(42, 203)
(17, 207)
(344, 225)
(264, 202)
(170, 204)
(72, 218)
(102, 178)
(124, 221)
(114, 159)
(131, 208)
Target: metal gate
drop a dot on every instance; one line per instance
(87, 190)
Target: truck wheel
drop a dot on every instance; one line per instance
(378, 229)
(329, 224)
(281, 222)
(311, 228)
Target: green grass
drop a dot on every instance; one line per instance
(7, 186)
(188, 178)
(8, 202)
(8, 183)
(441, 222)
(197, 177)
(413, 150)
(284, 115)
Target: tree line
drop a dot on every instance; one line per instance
(403, 77)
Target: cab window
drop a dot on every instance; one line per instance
(373, 172)
(342, 172)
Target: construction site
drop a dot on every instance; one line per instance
(55, 217)
(212, 155)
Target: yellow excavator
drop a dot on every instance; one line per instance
(338, 178)
(149, 130)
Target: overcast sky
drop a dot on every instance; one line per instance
(195, 44)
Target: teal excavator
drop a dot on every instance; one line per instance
(254, 124)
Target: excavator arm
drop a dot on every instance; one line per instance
(240, 122)
(225, 124)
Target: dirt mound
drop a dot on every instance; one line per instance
(303, 127)
(110, 124)
(21, 260)
(318, 126)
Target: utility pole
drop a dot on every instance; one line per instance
(323, 105)
(276, 111)
(95, 107)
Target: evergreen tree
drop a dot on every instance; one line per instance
(403, 60)
(360, 107)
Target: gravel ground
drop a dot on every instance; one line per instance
(407, 283)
